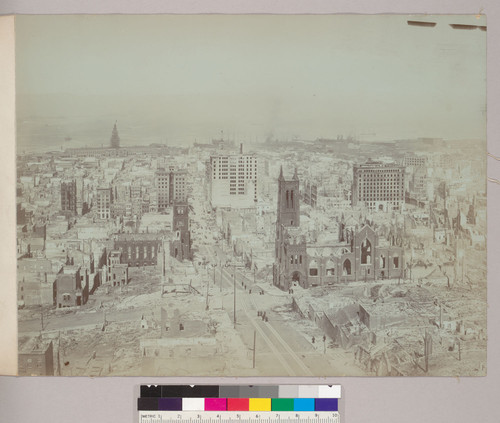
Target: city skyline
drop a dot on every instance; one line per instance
(178, 79)
(325, 253)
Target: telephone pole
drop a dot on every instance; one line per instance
(207, 307)
(254, 339)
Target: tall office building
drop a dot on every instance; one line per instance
(162, 181)
(379, 186)
(178, 186)
(104, 200)
(68, 196)
(414, 160)
(233, 180)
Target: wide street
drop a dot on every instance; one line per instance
(280, 348)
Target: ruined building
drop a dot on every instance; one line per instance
(358, 254)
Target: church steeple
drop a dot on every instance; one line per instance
(295, 175)
(115, 139)
(281, 178)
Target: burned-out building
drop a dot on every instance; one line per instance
(379, 186)
(358, 253)
(36, 358)
(117, 271)
(71, 287)
(138, 250)
(68, 196)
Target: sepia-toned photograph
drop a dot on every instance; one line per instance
(251, 195)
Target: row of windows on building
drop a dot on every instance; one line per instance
(234, 168)
(379, 197)
(380, 190)
(136, 251)
(366, 258)
(372, 171)
(380, 183)
(346, 268)
(381, 175)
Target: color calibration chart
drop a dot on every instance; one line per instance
(239, 403)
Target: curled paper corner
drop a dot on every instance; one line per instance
(493, 156)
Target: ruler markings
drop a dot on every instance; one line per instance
(239, 417)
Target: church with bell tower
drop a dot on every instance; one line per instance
(290, 244)
(355, 252)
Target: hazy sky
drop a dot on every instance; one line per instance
(257, 76)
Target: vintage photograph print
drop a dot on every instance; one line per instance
(251, 195)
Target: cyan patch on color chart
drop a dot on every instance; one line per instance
(303, 404)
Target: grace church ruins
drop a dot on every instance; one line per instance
(302, 257)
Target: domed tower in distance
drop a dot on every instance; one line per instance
(115, 139)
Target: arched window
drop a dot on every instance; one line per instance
(287, 200)
(330, 268)
(291, 196)
(395, 262)
(366, 252)
(346, 268)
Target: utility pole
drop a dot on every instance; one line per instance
(427, 349)
(207, 297)
(463, 266)
(254, 339)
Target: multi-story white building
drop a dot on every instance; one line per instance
(178, 186)
(136, 198)
(414, 160)
(233, 180)
(162, 182)
(379, 186)
(103, 201)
